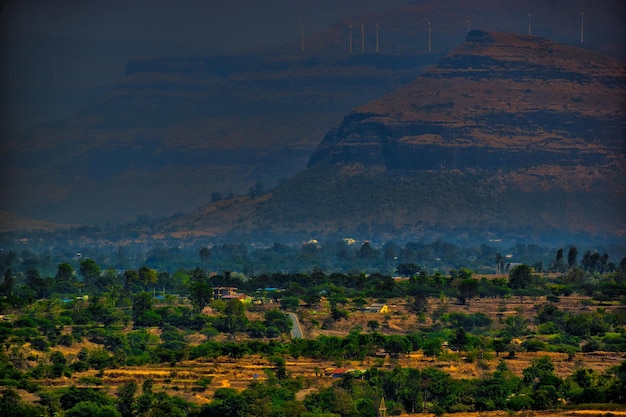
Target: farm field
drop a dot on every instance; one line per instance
(182, 379)
(223, 346)
(230, 373)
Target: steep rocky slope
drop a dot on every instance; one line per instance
(175, 130)
(501, 101)
(508, 134)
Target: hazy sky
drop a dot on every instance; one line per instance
(233, 24)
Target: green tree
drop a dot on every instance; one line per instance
(499, 263)
(289, 303)
(520, 277)
(583, 387)
(396, 345)
(144, 402)
(499, 345)
(493, 393)
(65, 273)
(126, 399)
(201, 291)
(143, 313)
(460, 340)
(227, 402)
(572, 254)
(165, 407)
(432, 347)
(6, 288)
(542, 382)
(59, 364)
(74, 395)
(131, 281)
(11, 405)
(559, 266)
(436, 388)
(235, 315)
(91, 409)
(359, 302)
(205, 255)
(279, 366)
(617, 390)
(38, 286)
(373, 325)
(90, 271)
(467, 289)
(147, 276)
(278, 319)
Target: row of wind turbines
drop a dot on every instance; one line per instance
(377, 26)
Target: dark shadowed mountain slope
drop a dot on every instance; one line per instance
(175, 130)
(508, 134)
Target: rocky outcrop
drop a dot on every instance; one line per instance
(500, 101)
(507, 134)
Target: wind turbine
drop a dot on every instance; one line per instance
(377, 37)
(430, 45)
(302, 26)
(468, 24)
(529, 15)
(362, 37)
(350, 27)
(582, 17)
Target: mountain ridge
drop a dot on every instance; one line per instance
(528, 161)
(176, 130)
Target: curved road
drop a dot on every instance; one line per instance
(296, 330)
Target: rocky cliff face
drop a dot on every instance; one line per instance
(508, 134)
(500, 101)
(541, 124)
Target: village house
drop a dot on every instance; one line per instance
(377, 308)
(221, 293)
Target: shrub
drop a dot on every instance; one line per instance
(553, 298)
(592, 345)
(40, 344)
(534, 345)
(66, 340)
(26, 333)
(90, 380)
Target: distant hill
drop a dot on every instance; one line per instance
(12, 223)
(508, 134)
(176, 130)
